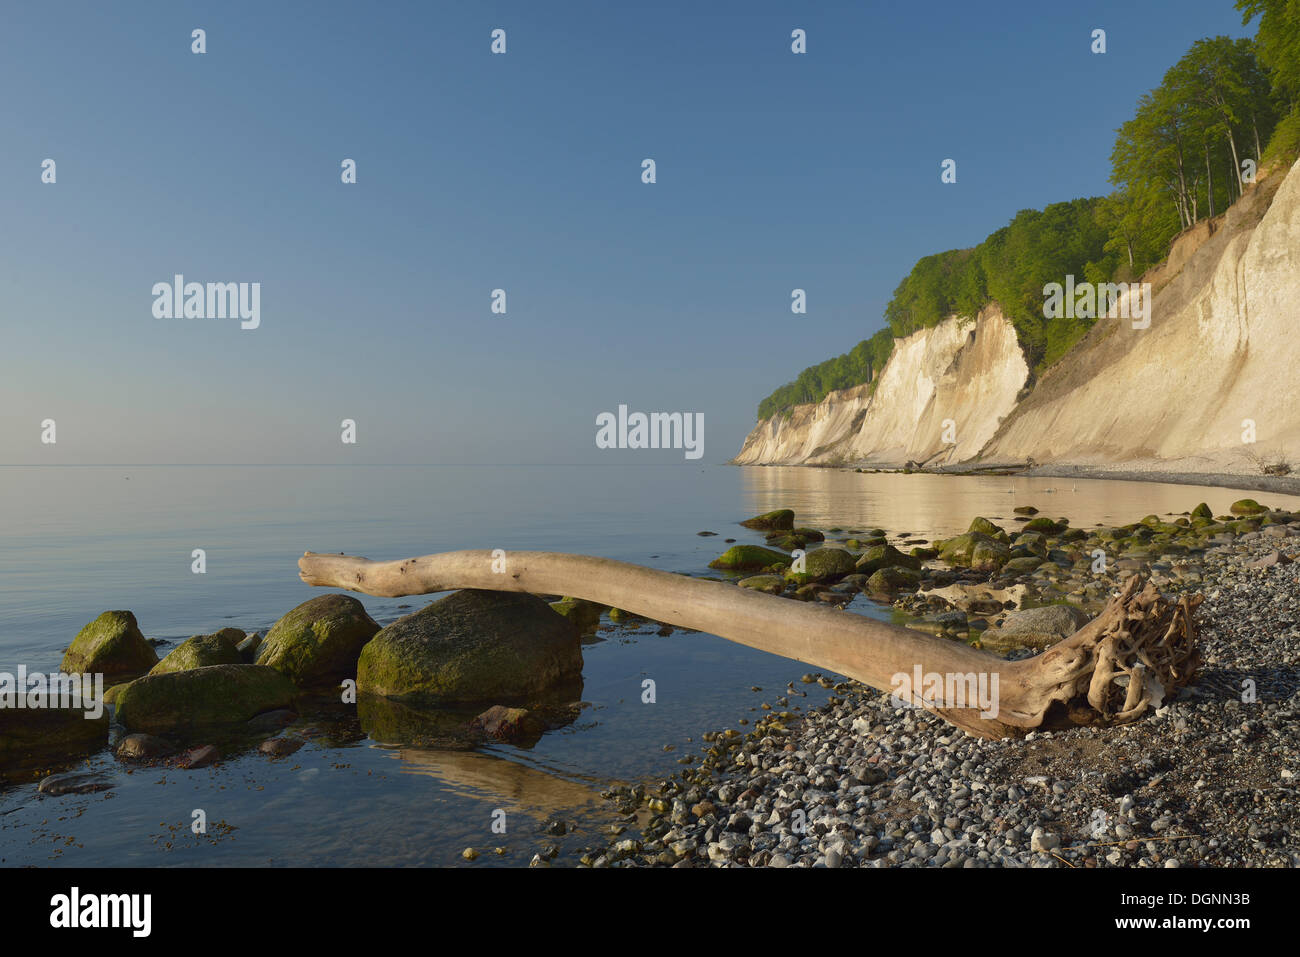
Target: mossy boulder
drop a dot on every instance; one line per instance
(1025, 510)
(985, 527)
(989, 555)
(782, 518)
(1246, 506)
(473, 646)
(892, 578)
(772, 584)
(220, 648)
(1044, 525)
(212, 697)
(1022, 565)
(884, 556)
(749, 557)
(318, 642)
(584, 614)
(112, 645)
(961, 549)
(824, 564)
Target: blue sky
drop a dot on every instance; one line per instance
(519, 171)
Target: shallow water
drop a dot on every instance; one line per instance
(77, 541)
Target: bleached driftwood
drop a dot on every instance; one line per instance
(1128, 660)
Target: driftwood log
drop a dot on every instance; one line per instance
(1128, 660)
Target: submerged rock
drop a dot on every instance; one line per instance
(318, 642)
(473, 645)
(517, 725)
(113, 645)
(140, 747)
(75, 782)
(182, 702)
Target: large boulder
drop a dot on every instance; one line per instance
(220, 648)
(1246, 506)
(318, 642)
(186, 702)
(473, 645)
(111, 645)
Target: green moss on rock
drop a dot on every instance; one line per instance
(112, 645)
(782, 518)
(884, 556)
(220, 648)
(584, 614)
(318, 642)
(824, 564)
(472, 646)
(214, 696)
(749, 557)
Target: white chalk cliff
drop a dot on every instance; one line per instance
(1223, 347)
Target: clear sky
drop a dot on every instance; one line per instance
(519, 171)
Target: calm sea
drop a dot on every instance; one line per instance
(77, 541)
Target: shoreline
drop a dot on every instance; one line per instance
(1127, 472)
(1209, 779)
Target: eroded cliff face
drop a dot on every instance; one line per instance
(1222, 353)
(965, 371)
(1223, 348)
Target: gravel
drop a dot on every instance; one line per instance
(1209, 780)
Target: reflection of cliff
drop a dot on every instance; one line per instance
(509, 784)
(1222, 348)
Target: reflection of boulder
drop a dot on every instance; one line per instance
(31, 737)
(519, 788)
(406, 722)
(391, 721)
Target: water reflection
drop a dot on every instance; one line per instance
(939, 506)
